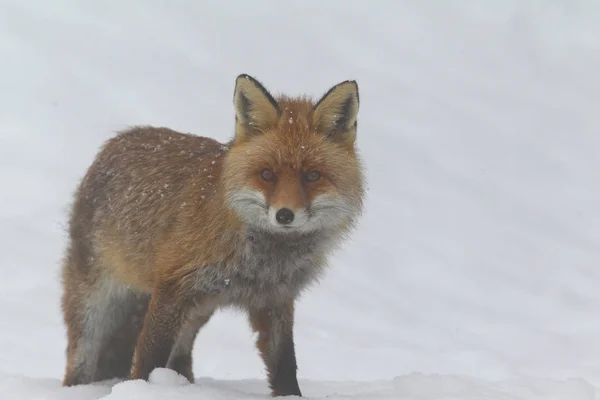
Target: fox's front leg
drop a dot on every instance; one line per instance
(276, 345)
(162, 324)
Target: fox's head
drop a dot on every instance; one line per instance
(292, 166)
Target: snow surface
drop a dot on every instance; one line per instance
(475, 273)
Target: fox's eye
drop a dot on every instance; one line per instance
(267, 175)
(313, 176)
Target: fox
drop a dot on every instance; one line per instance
(166, 228)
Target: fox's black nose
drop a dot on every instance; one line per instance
(284, 216)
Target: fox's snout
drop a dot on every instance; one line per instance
(287, 216)
(287, 202)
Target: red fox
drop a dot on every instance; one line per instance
(166, 227)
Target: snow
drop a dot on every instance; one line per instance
(166, 384)
(474, 272)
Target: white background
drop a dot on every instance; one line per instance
(478, 257)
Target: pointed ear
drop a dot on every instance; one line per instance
(336, 113)
(255, 109)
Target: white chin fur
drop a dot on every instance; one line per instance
(330, 210)
(326, 211)
(250, 205)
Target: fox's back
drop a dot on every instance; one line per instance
(141, 185)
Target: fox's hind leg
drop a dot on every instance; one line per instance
(97, 312)
(117, 355)
(74, 294)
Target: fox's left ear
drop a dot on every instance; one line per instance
(335, 114)
(256, 110)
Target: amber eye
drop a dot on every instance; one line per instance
(267, 175)
(313, 176)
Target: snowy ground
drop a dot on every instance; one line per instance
(476, 271)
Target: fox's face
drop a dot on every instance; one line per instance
(293, 167)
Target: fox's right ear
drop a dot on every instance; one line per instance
(255, 109)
